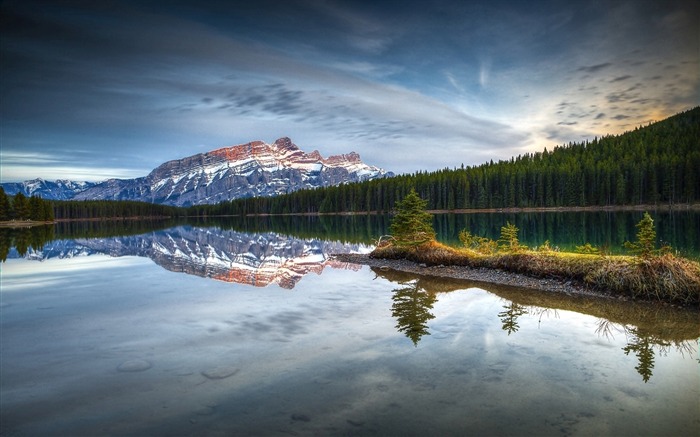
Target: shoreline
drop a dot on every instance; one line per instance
(511, 210)
(482, 275)
(32, 223)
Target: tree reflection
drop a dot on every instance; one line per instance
(643, 345)
(35, 237)
(411, 308)
(22, 239)
(645, 354)
(509, 317)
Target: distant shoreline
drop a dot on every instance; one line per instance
(609, 208)
(514, 210)
(24, 223)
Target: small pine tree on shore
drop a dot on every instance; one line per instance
(645, 246)
(412, 225)
(509, 238)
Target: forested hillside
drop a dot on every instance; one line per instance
(655, 164)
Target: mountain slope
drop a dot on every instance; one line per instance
(58, 190)
(246, 170)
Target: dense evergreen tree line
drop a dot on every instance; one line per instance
(91, 209)
(20, 208)
(35, 208)
(655, 164)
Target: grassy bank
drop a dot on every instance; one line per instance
(666, 277)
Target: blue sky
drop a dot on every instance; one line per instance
(98, 89)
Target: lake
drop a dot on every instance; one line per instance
(252, 328)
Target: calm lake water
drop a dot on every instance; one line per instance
(220, 330)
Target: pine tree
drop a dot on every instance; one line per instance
(47, 214)
(645, 246)
(20, 206)
(412, 225)
(35, 208)
(5, 208)
(509, 238)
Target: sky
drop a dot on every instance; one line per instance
(92, 90)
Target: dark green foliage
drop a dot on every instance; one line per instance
(20, 207)
(5, 207)
(412, 225)
(91, 209)
(655, 164)
(36, 208)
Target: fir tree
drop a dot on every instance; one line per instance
(509, 238)
(645, 246)
(35, 208)
(5, 208)
(412, 225)
(20, 206)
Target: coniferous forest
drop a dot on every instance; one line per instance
(656, 164)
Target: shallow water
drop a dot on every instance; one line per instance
(130, 345)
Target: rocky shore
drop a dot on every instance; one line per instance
(482, 275)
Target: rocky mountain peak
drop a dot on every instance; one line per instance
(245, 170)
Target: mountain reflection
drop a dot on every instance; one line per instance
(649, 330)
(257, 259)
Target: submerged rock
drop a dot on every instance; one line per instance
(220, 372)
(134, 366)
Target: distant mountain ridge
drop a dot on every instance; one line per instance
(245, 170)
(57, 190)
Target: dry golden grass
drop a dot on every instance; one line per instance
(665, 278)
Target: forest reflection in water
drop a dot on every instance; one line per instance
(604, 229)
(650, 330)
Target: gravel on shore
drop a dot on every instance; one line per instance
(483, 275)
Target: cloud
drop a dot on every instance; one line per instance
(595, 68)
(17, 165)
(408, 88)
(620, 78)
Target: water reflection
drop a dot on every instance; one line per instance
(509, 317)
(24, 239)
(605, 230)
(649, 330)
(411, 309)
(257, 259)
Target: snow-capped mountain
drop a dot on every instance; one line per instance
(57, 190)
(246, 170)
